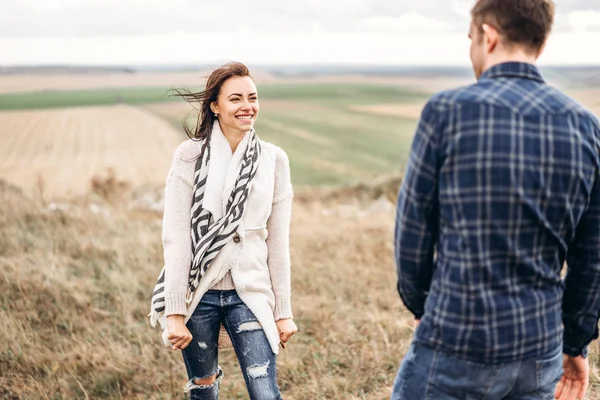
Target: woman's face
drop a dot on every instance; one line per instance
(237, 105)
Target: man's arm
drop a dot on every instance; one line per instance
(417, 214)
(581, 300)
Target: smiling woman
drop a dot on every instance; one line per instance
(226, 281)
(237, 106)
(226, 89)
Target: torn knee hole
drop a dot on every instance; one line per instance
(258, 371)
(204, 383)
(249, 326)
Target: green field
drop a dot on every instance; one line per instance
(340, 94)
(328, 143)
(59, 99)
(333, 145)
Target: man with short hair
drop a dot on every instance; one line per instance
(501, 189)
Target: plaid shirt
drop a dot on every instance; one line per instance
(500, 189)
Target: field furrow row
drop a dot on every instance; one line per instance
(59, 151)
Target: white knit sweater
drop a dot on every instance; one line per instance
(258, 265)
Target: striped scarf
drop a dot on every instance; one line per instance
(209, 236)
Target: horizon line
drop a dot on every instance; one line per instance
(314, 64)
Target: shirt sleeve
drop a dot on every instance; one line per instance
(278, 239)
(581, 300)
(416, 228)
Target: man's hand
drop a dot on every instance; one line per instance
(574, 382)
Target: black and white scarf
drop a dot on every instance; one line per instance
(210, 236)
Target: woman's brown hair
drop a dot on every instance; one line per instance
(209, 95)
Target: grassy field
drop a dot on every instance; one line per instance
(328, 144)
(74, 295)
(324, 93)
(79, 98)
(75, 288)
(56, 152)
(334, 132)
(76, 276)
(346, 146)
(329, 139)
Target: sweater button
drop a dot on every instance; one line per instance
(236, 238)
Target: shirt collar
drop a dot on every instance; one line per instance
(513, 69)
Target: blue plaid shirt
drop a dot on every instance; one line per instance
(501, 188)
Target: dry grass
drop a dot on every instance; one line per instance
(75, 283)
(64, 148)
(75, 287)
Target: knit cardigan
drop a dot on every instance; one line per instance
(259, 263)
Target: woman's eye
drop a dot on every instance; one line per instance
(235, 99)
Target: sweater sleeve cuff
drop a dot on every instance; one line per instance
(283, 308)
(175, 304)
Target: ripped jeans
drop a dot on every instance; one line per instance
(250, 343)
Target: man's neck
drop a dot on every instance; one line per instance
(504, 57)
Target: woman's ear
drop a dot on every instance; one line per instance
(213, 108)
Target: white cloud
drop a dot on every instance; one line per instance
(371, 48)
(264, 48)
(374, 31)
(46, 6)
(583, 21)
(409, 23)
(462, 8)
(50, 18)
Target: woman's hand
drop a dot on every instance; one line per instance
(286, 328)
(179, 335)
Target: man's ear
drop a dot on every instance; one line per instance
(491, 37)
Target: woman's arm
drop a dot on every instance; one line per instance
(278, 239)
(176, 236)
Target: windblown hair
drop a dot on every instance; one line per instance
(206, 97)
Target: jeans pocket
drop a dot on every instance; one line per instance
(548, 372)
(455, 378)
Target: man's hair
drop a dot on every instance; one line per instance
(519, 22)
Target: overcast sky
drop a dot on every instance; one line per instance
(266, 31)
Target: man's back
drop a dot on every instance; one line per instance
(514, 164)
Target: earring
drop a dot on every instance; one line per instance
(216, 115)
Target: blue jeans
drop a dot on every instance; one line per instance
(428, 374)
(250, 343)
